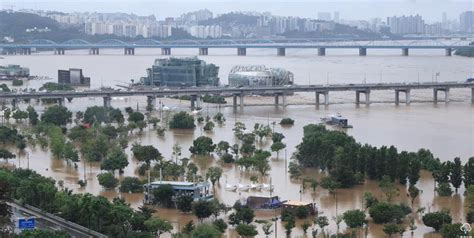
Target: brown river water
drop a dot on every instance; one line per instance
(447, 130)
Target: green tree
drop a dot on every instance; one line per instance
(209, 126)
(219, 118)
(57, 115)
(146, 153)
(214, 174)
(321, 221)
(163, 195)
(436, 220)
(277, 146)
(383, 212)
(116, 160)
(220, 224)
(469, 172)
(205, 231)
(452, 230)
(39, 233)
(202, 209)
(184, 203)
(456, 173)
(182, 120)
(158, 226)
(246, 230)
(277, 137)
(136, 117)
(354, 218)
(391, 229)
(287, 122)
(444, 189)
(131, 185)
(107, 180)
(413, 191)
(222, 148)
(32, 115)
(388, 188)
(202, 145)
(6, 155)
(6, 224)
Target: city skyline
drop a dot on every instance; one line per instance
(431, 10)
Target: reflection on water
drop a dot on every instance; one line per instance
(447, 130)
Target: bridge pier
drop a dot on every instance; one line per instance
(151, 102)
(321, 51)
(449, 51)
(281, 51)
(25, 51)
(241, 101)
(472, 95)
(61, 101)
(107, 102)
(203, 51)
(234, 101)
(13, 102)
(129, 51)
(242, 51)
(405, 51)
(195, 102)
(435, 94)
(59, 51)
(94, 51)
(167, 51)
(277, 97)
(367, 96)
(407, 96)
(326, 97)
(362, 51)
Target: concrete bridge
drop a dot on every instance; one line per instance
(238, 94)
(240, 45)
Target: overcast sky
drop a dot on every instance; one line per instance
(431, 10)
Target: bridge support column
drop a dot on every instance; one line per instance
(362, 51)
(449, 51)
(472, 95)
(326, 97)
(107, 102)
(405, 51)
(150, 103)
(129, 51)
(234, 100)
(281, 51)
(283, 96)
(25, 51)
(277, 97)
(321, 51)
(61, 101)
(14, 101)
(407, 96)
(203, 51)
(242, 51)
(167, 51)
(367, 96)
(193, 101)
(435, 94)
(59, 51)
(94, 51)
(446, 95)
(241, 102)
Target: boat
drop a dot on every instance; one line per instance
(197, 111)
(243, 187)
(336, 120)
(268, 187)
(255, 186)
(230, 187)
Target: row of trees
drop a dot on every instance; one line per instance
(348, 162)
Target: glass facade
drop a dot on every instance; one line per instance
(182, 72)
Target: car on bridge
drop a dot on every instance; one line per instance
(470, 80)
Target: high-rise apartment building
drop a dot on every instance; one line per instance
(466, 20)
(406, 25)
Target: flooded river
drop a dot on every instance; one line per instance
(447, 130)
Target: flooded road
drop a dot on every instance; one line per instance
(447, 130)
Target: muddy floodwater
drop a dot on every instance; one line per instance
(445, 129)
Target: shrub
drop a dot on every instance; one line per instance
(182, 120)
(287, 122)
(17, 82)
(107, 180)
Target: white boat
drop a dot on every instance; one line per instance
(255, 186)
(197, 111)
(267, 187)
(165, 108)
(243, 187)
(230, 187)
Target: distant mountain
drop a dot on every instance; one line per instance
(231, 19)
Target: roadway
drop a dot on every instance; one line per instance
(229, 91)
